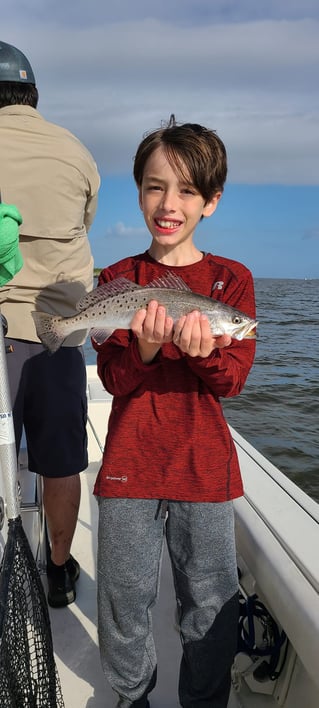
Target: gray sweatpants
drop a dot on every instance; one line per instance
(201, 545)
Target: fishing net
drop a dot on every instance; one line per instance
(28, 675)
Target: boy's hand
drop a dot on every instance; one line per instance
(193, 336)
(152, 328)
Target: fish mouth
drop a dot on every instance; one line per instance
(248, 331)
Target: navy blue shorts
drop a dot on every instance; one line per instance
(48, 395)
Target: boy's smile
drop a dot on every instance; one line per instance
(166, 226)
(172, 208)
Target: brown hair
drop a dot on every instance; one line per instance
(189, 148)
(14, 93)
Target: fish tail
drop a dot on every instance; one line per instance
(47, 330)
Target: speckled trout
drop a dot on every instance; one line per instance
(113, 305)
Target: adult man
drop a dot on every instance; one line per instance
(53, 180)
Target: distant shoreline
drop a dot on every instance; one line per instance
(268, 277)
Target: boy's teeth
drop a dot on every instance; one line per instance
(167, 224)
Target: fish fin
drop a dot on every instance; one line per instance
(50, 339)
(121, 285)
(100, 335)
(169, 280)
(102, 292)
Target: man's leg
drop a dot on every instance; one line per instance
(55, 425)
(61, 499)
(49, 399)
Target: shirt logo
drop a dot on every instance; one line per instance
(117, 479)
(218, 285)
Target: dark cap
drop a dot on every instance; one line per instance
(14, 65)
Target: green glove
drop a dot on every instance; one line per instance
(10, 257)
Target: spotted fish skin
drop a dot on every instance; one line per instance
(113, 305)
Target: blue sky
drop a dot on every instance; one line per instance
(248, 69)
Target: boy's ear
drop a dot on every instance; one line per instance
(211, 206)
(140, 201)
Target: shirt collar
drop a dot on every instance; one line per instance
(19, 110)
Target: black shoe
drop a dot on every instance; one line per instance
(73, 568)
(61, 580)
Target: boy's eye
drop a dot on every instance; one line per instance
(188, 190)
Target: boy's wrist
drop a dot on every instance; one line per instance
(147, 350)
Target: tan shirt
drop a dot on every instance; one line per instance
(53, 180)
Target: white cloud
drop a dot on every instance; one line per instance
(122, 231)
(251, 76)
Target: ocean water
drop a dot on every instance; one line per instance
(278, 410)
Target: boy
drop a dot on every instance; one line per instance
(170, 467)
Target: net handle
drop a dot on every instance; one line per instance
(8, 454)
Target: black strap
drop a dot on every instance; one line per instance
(273, 639)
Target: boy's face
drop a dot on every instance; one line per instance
(172, 207)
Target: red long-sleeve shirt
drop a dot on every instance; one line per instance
(167, 437)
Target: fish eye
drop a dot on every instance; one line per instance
(237, 319)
